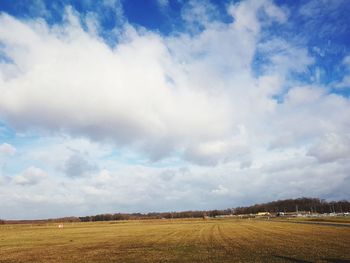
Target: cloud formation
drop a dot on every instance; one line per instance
(147, 92)
(220, 111)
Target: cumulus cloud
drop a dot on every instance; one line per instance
(147, 92)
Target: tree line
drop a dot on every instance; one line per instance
(155, 215)
(313, 205)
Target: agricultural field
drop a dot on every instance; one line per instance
(180, 240)
(333, 220)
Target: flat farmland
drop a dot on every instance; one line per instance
(213, 240)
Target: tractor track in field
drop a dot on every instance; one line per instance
(209, 243)
(168, 236)
(226, 241)
(209, 237)
(222, 244)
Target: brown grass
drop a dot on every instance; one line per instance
(341, 220)
(224, 240)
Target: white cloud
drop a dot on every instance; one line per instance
(304, 95)
(7, 149)
(331, 147)
(246, 14)
(139, 93)
(307, 114)
(284, 57)
(345, 82)
(30, 176)
(221, 150)
(199, 12)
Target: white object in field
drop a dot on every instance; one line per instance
(60, 226)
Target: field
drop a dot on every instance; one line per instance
(340, 220)
(213, 240)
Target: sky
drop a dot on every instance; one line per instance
(169, 105)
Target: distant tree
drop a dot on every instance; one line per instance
(303, 204)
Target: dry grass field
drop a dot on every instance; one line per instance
(215, 240)
(340, 220)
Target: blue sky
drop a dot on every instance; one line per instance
(158, 105)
